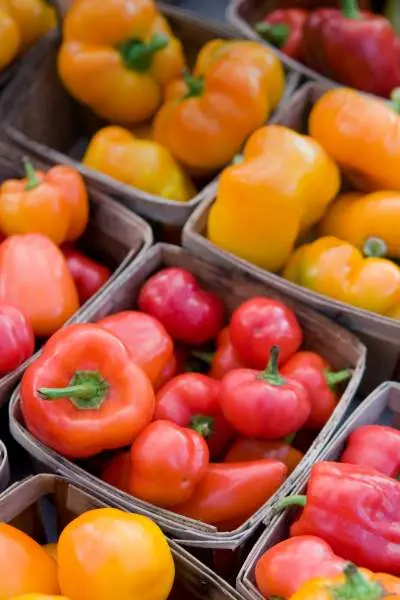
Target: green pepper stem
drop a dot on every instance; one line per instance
(277, 34)
(32, 181)
(203, 425)
(271, 374)
(375, 247)
(395, 100)
(289, 439)
(357, 586)
(195, 85)
(296, 500)
(206, 357)
(138, 55)
(350, 9)
(87, 390)
(332, 378)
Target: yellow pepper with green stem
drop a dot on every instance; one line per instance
(281, 189)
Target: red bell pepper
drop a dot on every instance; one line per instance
(84, 394)
(193, 400)
(174, 366)
(224, 359)
(356, 510)
(260, 323)
(117, 471)
(89, 276)
(244, 449)
(17, 342)
(264, 405)
(314, 373)
(355, 48)
(283, 569)
(283, 28)
(149, 345)
(374, 446)
(167, 463)
(233, 492)
(189, 313)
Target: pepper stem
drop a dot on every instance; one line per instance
(332, 379)
(395, 100)
(277, 34)
(206, 357)
(375, 247)
(195, 85)
(357, 586)
(296, 500)
(271, 374)
(32, 181)
(203, 425)
(238, 159)
(138, 55)
(87, 390)
(350, 9)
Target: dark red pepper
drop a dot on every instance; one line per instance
(224, 359)
(17, 342)
(314, 373)
(193, 400)
(89, 276)
(189, 313)
(283, 28)
(264, 405)
(355, 48)
(374, 446)
(356, 510)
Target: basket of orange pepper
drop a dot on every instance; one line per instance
(186, 447)
(362, 460)
(58, 540)
(56, 253)
(226, 88)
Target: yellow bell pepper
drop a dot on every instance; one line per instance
(144, 164)
(22, 23)
(281, 189)
(338, 270)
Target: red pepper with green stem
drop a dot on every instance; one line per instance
(84, 394)
(356, 510)
(355, 48)
(283, 28)
(264, 404)
(193, 400)
(375, 446)
(314, 373)
(283, 569)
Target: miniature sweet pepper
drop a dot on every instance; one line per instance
(284, 28)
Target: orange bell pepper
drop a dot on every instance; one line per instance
(208, 115)
(362, 134)
(54, 204)
(280, 190)
(109, 553)
(117, 60)
(356, 218)
(35, 278)
(24, 565)
(338, 270)
(142, 163)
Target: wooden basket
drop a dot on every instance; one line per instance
(337, 345)
(244, 14)
(114, 236)
(380, 334)
(58, 128)
(4, 467)
(383, 405)
(43, 505)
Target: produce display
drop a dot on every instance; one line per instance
(356, 48)
(187, 435)
(299, 224)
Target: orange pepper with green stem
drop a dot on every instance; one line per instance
(143, 163)
(338, 270)
(117, 59)
(208, 115)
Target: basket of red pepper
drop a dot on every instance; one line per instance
(350, 512)
(334, 42)
(150, 425)
(61, 243)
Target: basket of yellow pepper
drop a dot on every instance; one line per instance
(322, 213)
(129, 112)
